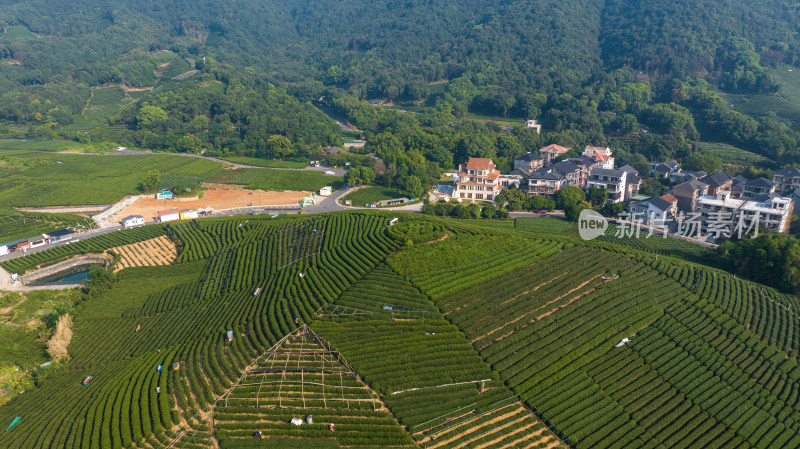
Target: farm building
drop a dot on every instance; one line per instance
(164, 194)
(325, 191)
(16, 245)
(59, 236)
(168, 215)
(393, 202)
(3, 249)
(132, 220)
(188, 214)
(38, 242)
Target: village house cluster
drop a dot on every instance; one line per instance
(715, 203)
(723, 205)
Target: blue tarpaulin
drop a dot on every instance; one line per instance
(15, 422)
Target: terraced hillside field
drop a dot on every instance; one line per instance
(148, 253)
(337, 330)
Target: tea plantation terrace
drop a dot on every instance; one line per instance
(337, 330)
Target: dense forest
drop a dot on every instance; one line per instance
(592, 72)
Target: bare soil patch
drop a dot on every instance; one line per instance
(215, 199)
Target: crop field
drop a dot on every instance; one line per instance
(550, 330)
(18, 226)
(655, 243)
(32, 174)
(267, 163)
(104, 101)
(431, 379)
(302, 376)
(784, 103)
(381, 294)
(65, 180)
(95, 245)
(730, 154)
(489, 338)
(16, 32)
(25, 145)
(279, 180)
(147, 253)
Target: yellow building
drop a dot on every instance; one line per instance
(188, 214)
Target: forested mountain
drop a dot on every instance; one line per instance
(544, 45)
(591, 71)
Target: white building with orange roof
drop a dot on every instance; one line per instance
(479, 179)
(551, 152)
(602, 155)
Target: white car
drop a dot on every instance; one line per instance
(330, 172)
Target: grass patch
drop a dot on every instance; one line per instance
(280, 180)
(37, 145)
(368, 195)
(268, 163)
(15, 33)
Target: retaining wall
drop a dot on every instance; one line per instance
(65, 209)
(63, 266)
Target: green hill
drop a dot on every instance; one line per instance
(488, 336)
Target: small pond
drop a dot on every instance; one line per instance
(74, 275)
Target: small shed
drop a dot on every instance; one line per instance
(132, 221)
(325, 191)
(230, 335)
(3, 249)
(164, 194)
(38, 242)
(168, 215)
(188, 214)
(59, 236)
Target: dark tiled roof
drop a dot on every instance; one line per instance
(565, 168)
(663, 168)
(629, 169)
(691, 185)
(545, 175)
(739, 179)
(606, 172)
(660, 203)
(788, 171)
(528, 157)
(716, 179)
(760, 182)
(583, 160)
(60, 233)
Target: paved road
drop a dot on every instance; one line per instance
(81, 236)
(336, 171)
(330, 203)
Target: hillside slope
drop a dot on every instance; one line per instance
(480, 338)
(544, 44)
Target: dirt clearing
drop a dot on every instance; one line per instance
(215, 199)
